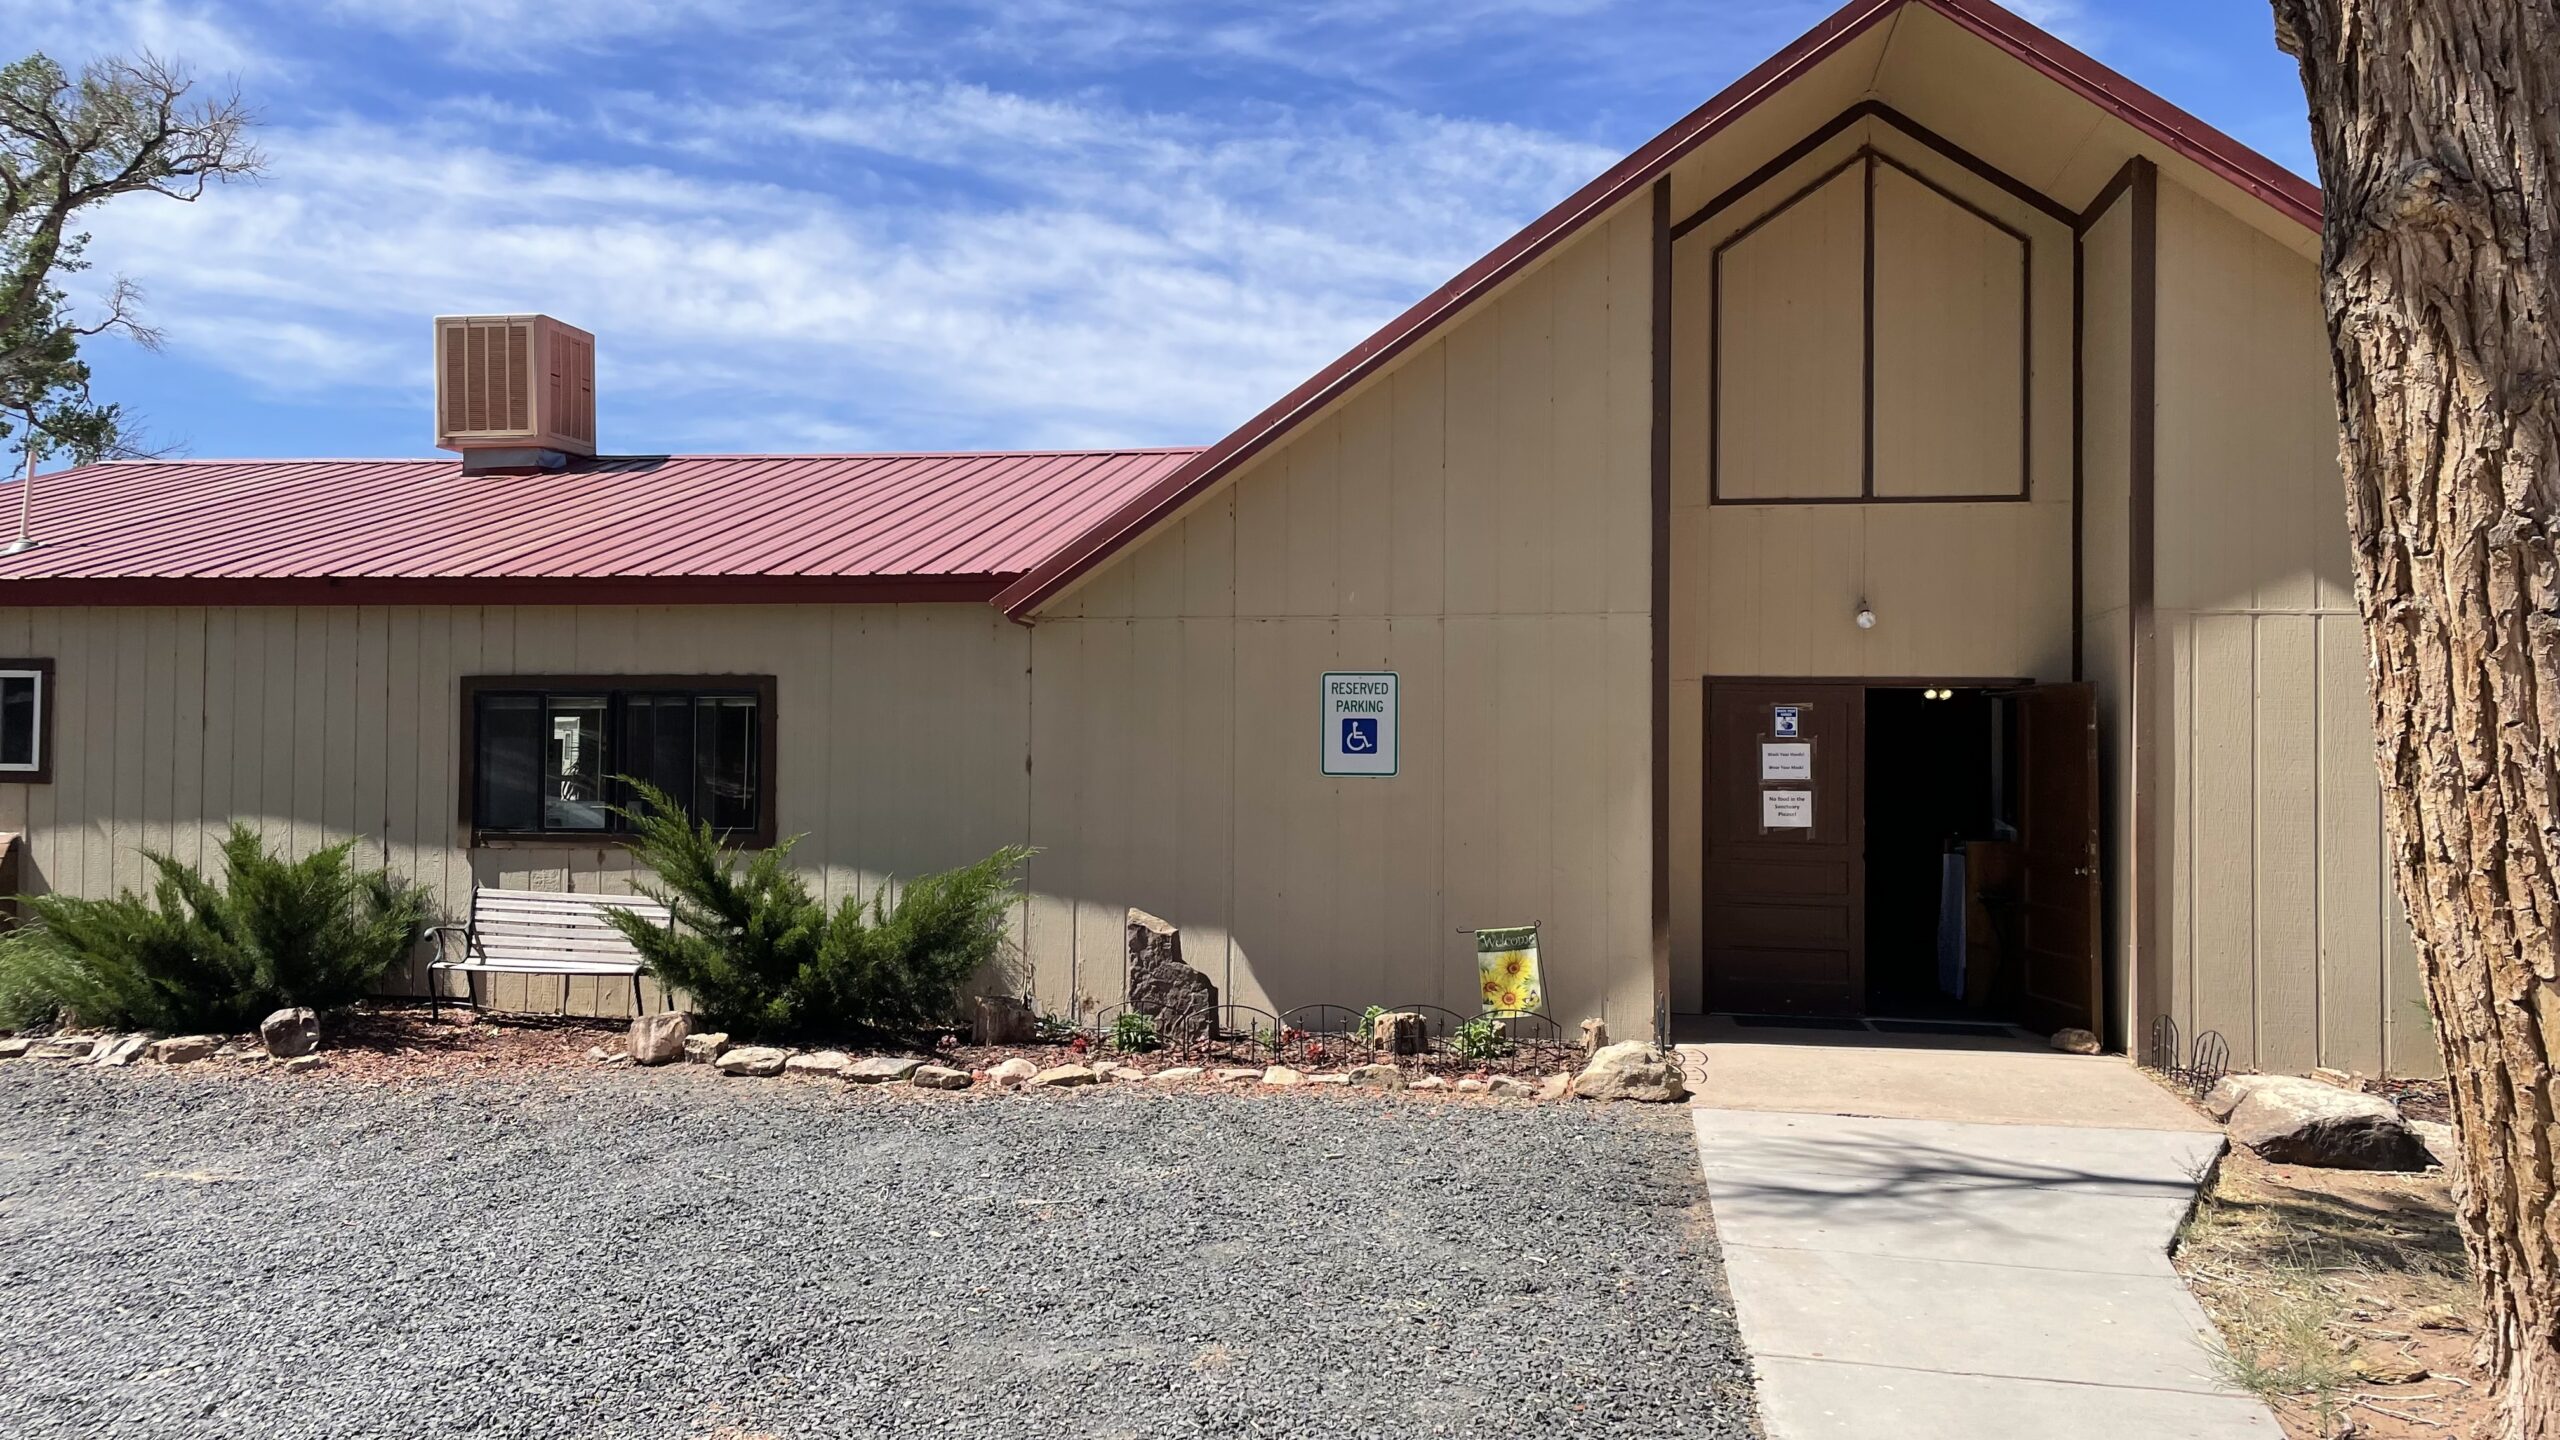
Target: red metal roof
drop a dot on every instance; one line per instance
(633, 529)
(2182, 133)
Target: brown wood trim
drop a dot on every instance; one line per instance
(1867, 158)
(470, 590)
(1881, 682)
(2079, 453)
(1793, 155)
(1660, 600)
(46, 701)
(767, 750)
(2108, 194)
(2142, 584)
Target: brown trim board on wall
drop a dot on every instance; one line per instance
(1660, 599)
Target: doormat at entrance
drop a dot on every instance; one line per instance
(1796, 1022)
(1944, 1027)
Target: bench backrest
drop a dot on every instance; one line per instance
(551, 927)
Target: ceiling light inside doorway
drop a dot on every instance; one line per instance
(1866, 617)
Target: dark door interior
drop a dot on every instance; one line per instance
(1934, 761)
(2061, 904)
(1784, 887)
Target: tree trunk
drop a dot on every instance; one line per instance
(2439, 148)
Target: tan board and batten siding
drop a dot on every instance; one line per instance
(2279, 925)
(1475, 520)
(901, 736)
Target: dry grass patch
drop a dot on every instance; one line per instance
(2342, 1297)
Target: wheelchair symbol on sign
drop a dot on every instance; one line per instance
(1359, 736)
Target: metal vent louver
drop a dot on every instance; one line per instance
(514, 382)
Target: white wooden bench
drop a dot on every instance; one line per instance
(541, 932)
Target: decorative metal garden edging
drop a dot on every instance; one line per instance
(2195, 1070)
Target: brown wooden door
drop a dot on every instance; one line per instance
(1785, 881)
(2061, 902)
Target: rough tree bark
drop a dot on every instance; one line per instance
(2438, 136)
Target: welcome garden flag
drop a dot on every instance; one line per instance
(1507, 963)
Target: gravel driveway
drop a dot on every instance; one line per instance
(670, 1254)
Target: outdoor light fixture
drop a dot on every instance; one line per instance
(1866, 616)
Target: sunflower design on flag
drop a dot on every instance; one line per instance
(1507, 967)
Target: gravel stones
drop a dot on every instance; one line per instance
(757, 1060)
(288, 1033)
(864, 1264)
(660, 1039)
(1064, 1076)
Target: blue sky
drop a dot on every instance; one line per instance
(988, 223)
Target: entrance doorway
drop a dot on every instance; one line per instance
(1902, 849)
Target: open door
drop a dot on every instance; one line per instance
(2061, 907)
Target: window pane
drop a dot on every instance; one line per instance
(573, 791)
(509, 763)
(18, 697)
(657, 743)
(725, 744)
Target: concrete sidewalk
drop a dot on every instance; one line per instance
(1933, 1277)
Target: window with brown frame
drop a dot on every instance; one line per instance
(551, 757)
(26, 721)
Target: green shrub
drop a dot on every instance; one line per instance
(1479, 1039)
(1135, 1033)
(196, 955)
(759, 956)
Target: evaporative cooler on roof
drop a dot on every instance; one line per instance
(506, 382)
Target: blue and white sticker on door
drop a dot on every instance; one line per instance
(1786, 722)
(1360, 723)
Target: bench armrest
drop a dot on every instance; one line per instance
(438, 934)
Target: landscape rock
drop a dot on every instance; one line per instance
(2292, 1121)
(1015, 1071)
(15, 1046)
(821, 1065)
(63, 1047)
(596, 1053)
(757, 1060)
(2440, 1317)
(880, 1069)
(1400, 1032)
(2075, 1042)
(1507, 1087)
(243, 1054)
(1471, 1086)
(1632, 1070)
(119, 1051)
(1182, 1000)
(1003, 1020)
(1429, 1082)
(703, 1049)
(941, 1077)
(1595, 1036)
(1282, 1075)
(288, 1033)
(1376, 1077)
(1336, 1078)
(305, 1062)
(2387, 1369)
(2343, 1079)
(660, 1039)
(1057, 1076)
(2438, 1138)
(1179, 1074)
(1234, 1074)
(1555, 1087)
(2228, 1092)
(181, 1049)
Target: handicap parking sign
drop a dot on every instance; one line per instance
(1360, 724)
